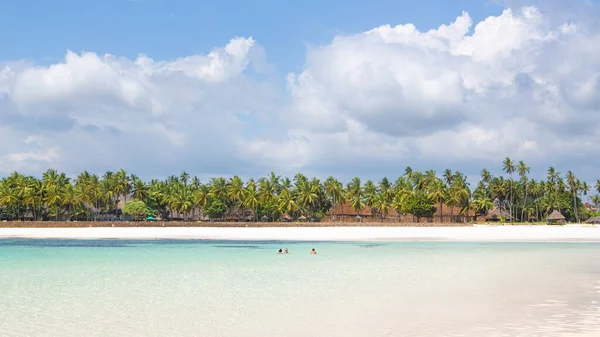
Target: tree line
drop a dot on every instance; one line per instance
(55, 196)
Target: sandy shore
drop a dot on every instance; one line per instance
(475, 233)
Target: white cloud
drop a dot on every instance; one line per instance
(101, 112)
(517, 84)
(466, 94)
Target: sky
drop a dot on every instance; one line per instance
(343, 88)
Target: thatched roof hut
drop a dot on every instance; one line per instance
(556, 216)
(302, 218)
(498, 212)
(594, 220)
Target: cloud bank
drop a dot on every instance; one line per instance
(465, 95)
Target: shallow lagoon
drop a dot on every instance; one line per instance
(229, 288)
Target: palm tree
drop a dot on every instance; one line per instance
(382, 204)
(459, 193)
(122, 186)
(481, 203)
(553, 178)
(448, 175)
(68, 199)
(8, 196)
(182, 200)
(355, 194)
(200, 197)
(53, 199)
(139, 190)
(398, 201)
(408, 172)
(509, 168)
(585, 189)
(307, 196)
(287, 204)
(334, 190)
(184, 178)
(523, 170)
(274, 180)
(439, 194)
(218, 188)
(236, 192)
(370, 191)
(573, 183)
(596, 200)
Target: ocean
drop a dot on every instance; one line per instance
(232, 288)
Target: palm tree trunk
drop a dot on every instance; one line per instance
(332, 213)
(524, 202)
(511, 199)
(575, 207)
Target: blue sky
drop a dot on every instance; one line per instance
(43, 30)
(336, 100)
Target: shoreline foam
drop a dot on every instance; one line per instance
(477, 233)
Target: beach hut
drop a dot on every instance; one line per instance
(556, 217)
(498, 212)
(302, 218)
(594, 220)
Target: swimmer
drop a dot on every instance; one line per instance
(279, 252)
(286, 251)
(313, 251)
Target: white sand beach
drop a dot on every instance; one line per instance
(588, 233)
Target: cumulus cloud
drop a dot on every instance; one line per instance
(102, 112)
(524, 83)
(518, 84)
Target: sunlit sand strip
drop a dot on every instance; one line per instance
(475, 233)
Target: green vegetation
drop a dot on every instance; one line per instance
(90, 197)
(137, 209)
(419, 205)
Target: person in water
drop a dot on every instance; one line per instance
(313, 251)
(286, 251)
(279, 252)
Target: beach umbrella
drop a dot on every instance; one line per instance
(150, 218)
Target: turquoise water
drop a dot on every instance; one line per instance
(213, 288)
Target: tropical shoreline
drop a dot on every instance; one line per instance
(476, 233)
